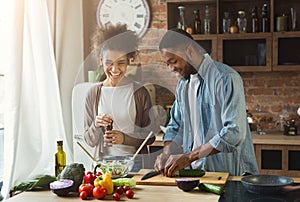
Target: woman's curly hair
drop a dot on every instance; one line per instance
(114, 37)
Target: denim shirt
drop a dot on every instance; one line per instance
(223, 119)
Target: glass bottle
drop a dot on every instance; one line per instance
(197, 22)
(242, 22)
(207, 21)
(60, 158)
(181, 22)
(254, 20)
(226, 23)
(265, 25)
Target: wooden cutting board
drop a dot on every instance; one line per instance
(218, 178)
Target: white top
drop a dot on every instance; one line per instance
(194, 115)
(119, 103)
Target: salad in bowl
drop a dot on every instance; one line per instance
(116, 166)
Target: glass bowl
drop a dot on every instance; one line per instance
(116, 166)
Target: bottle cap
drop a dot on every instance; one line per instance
(60, 143)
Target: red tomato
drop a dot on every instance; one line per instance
(125, 188)
(83, 195)
(99, 192)
(129, 194)
(88, 188)
(116, 196)
(119, 190)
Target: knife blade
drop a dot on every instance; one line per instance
(150, 174)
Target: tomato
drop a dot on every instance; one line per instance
(88, 188)
(83, 195)
(125, 188)
(119, 190)
(99, 192)
(116, 196)
(129, 194)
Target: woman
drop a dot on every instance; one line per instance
(117, 100)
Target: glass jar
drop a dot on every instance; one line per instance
(197, 22)
(242, 22)
(226, 22)
(265, 24)
(207, 21)
(254, 20)
(181, 22)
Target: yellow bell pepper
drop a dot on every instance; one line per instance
(107, 183)
(97, 182)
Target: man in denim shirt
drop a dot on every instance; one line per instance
(208, 118)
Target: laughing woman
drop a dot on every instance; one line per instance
(117, 101)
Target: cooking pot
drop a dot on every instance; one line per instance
(267, 184)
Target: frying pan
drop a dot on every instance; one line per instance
(266, 184)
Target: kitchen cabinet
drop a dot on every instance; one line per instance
(245, 52)
(277, 154)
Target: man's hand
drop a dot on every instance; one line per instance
(175, 163)
(160, 162)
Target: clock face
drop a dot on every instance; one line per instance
(134, 13)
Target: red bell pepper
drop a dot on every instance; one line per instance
(89, 177)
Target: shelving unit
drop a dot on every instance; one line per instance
(245, 52)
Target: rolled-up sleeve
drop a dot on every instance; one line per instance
(233, 115)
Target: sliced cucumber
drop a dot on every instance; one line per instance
(216, 189)
(191, 173)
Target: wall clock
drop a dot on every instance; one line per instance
(134, 13)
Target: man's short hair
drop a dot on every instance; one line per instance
(175, 38)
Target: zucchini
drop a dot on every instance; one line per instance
(216, 189)
(124, 181)
(190, 173)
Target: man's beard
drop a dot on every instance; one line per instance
(189, 70)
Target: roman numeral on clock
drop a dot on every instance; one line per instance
(137, 25)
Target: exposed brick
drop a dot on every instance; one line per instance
(273, 91)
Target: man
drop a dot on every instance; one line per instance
(208, 117)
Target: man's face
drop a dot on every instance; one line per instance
(177, 64)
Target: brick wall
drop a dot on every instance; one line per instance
(274, 92)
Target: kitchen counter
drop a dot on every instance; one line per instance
(275, 138)
(142, 193)
(270, 138)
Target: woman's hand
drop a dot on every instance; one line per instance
(103, 120)
(113, 137)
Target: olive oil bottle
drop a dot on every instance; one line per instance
(60, 158)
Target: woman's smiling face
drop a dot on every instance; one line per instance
(115, 65)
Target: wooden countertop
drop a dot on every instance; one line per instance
(270, 138)
(143, 193)
(275, 138)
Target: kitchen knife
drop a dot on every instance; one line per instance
(181, 173)
(150, 174)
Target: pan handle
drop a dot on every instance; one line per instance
(290, 188)
(246, 174)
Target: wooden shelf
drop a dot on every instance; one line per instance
(232, 48)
